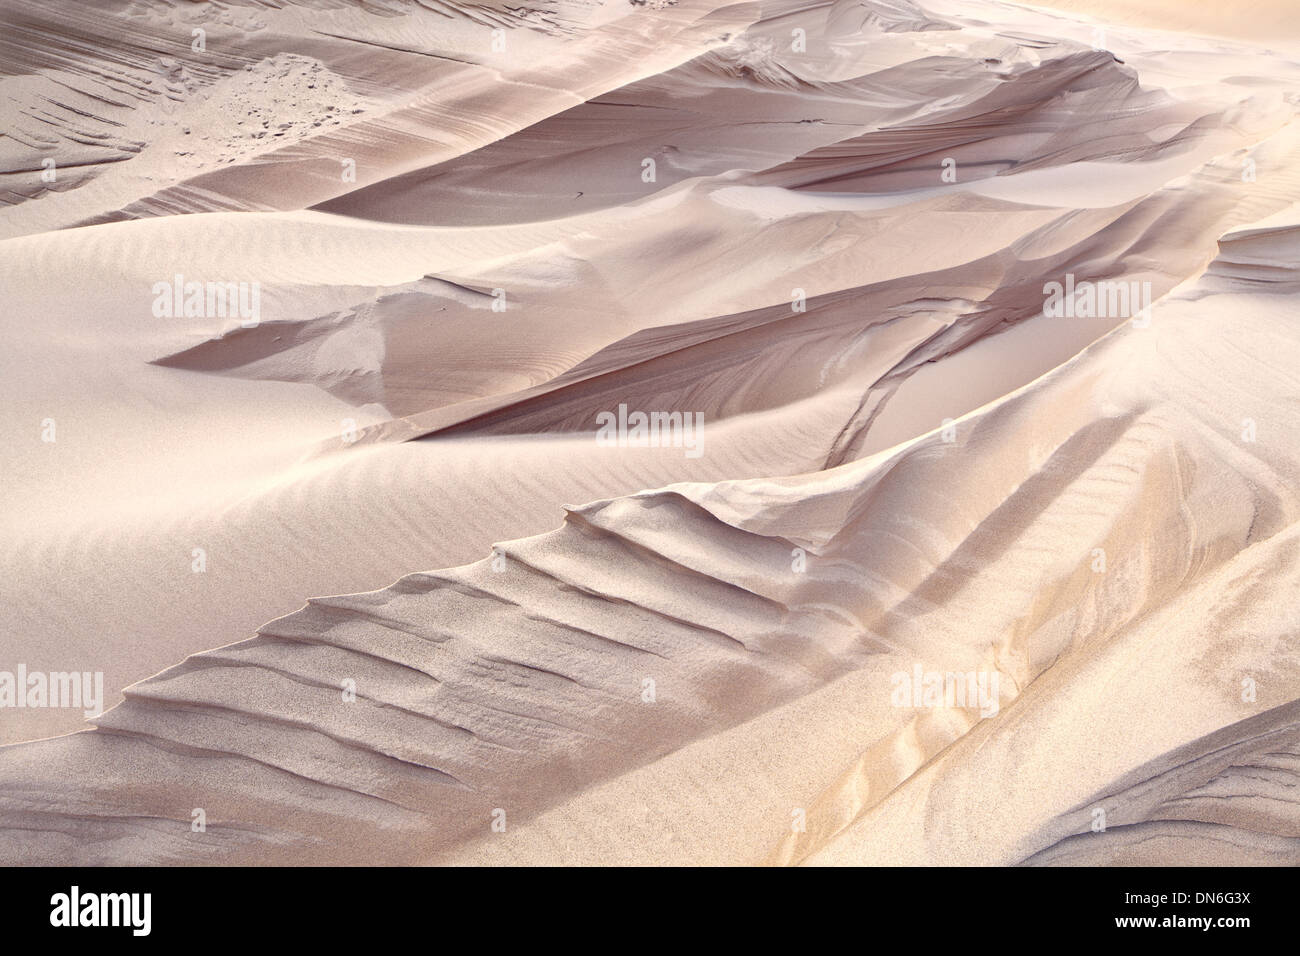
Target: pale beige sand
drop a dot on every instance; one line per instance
(831, 533)
(1268, 22)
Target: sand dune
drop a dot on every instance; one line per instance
(822, 237)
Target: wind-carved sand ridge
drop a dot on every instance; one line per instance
(908, 466)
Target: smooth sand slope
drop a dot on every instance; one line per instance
(649, 655)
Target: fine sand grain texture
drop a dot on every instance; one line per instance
(669, 432)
